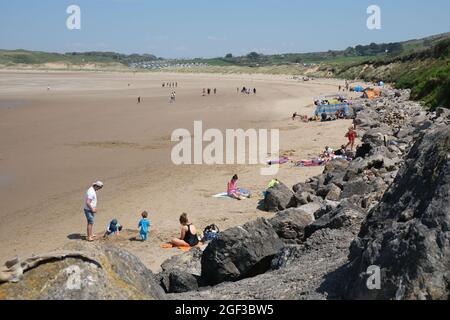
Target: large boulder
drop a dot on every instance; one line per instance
(407, 236)
(178, 272)
(80, 271)
(240, 252)
(290, 224)
(279, 198)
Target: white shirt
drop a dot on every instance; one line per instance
(90, 195)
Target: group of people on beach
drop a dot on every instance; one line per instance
(208, 91)
(188, 237)
(170, 84)
(246, 90)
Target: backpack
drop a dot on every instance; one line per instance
(211, 232)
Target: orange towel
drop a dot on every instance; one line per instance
(185, 249)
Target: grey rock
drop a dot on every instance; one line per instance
(334, 194)
(182, 282)
(290, 224)
(240, 252)
(279, 198)
(356, 187)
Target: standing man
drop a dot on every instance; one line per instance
(90, 208)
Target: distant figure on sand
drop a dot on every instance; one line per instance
(215, 91)
(351, 135)
(139, 100)
(90, 208)
(188, 237)
(144, 226)
(254, 90)
(173, 97)
(209, 91)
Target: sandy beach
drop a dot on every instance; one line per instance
(88, 126)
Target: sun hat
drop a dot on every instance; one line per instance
(98, 184)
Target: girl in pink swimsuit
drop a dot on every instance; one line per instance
(232, 190)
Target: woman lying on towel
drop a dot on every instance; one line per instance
(234, 192)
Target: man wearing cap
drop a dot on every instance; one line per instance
(90, 207)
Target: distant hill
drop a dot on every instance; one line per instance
(13, 57)
(350, 55)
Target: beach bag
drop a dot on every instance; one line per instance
(211, 232)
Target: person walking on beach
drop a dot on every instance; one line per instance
(90, 208)
(215, 91)
(209, 91)
(139, 100)
(254, 90)
(172, 97)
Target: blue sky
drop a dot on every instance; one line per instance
(210, 28)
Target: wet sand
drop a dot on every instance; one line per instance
(88, 127)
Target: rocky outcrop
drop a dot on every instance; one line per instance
(240, 252)
(81, 271)
(302, 273)
(408, 234)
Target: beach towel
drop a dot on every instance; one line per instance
(222, 195)
(185, 249)
(310, 163)
(279, 161)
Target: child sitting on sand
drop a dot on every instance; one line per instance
(234, 192)
(114, 228)
(144, 226)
